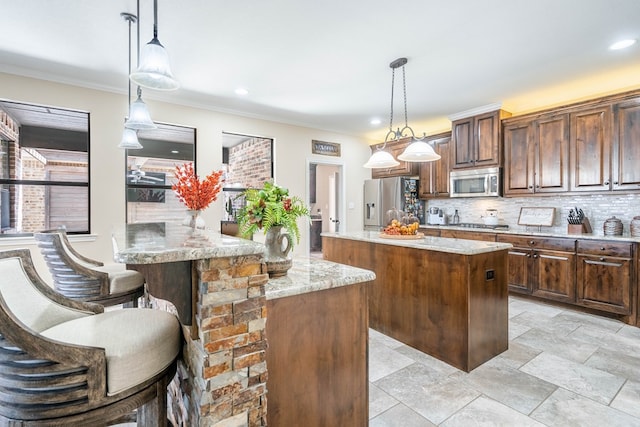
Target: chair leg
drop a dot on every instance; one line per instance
(154, 412)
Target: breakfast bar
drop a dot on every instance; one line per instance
(445, 297)
(233, 356)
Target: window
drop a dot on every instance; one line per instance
(44, 169)
(150, 173)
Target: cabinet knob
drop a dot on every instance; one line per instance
(537, 186)
(602, 248)
(532, 242)
(535, 255)
(606, 183)
(615, 182)
(528, 255)
(531, 187)
(601, 259)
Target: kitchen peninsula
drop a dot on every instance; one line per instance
(233, 356)
(445, 297)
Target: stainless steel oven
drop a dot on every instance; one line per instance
(484, 182)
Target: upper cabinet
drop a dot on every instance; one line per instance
(626, 146)
(403, 169)
(537, 156)
(476, 140)
(590, 145)
(434, 176)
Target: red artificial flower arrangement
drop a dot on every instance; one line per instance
(195, 194)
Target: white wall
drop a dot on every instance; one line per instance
(107, 111)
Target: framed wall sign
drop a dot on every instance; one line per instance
(536, 216)
(325, 148)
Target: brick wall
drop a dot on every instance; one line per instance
(250, 163)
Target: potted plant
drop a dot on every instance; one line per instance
(273, 210)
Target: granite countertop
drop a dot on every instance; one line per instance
(159, 242)
(440, 244)
(310, 274)
(625, 237)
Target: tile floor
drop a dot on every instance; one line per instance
(563, 368)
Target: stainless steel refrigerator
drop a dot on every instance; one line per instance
(382, 195)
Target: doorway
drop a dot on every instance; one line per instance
(326, 194)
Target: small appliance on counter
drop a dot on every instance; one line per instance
(436, 216)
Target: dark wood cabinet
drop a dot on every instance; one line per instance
(626, 146)
(590, 149)
(544, 267)
(537, 156)
(605, 276)
(434, 176)
(403, 169)
(477, 140)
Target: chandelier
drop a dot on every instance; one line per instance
(418, 150)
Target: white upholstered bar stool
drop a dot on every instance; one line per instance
(78, 277)
(67, 363)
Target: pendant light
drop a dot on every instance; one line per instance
(129, 136)
(154, 71)
(418, 151)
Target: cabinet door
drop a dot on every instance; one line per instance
(434, 176)
(519, 159)
(554, 275)
(462, 135)
(403, 169)
(552, 155)
(604, 283)
(426, 184)
(486, 139)
(590, 150)
(626, 146)
(519, 270)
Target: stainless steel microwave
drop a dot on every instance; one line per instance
(485, 182)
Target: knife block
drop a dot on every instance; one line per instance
(584, 228)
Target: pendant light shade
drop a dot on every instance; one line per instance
(381, 159)
(154, 71)
(419, 151)
(139, 117)
(129, 140)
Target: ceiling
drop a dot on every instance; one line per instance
(325, 64)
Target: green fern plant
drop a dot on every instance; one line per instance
(268, 207)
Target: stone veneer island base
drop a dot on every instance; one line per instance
(219, 289)
(444, 297)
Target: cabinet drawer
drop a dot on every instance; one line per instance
(434, 232)
(557, 244)
(605, 248)
(469, 235)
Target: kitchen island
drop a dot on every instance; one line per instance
(445, 297)
(218, 287)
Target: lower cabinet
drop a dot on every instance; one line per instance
(597, 274)
(544, 267)
(605, 276)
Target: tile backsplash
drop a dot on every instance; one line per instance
(597, 208)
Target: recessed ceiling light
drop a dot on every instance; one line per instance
(622, 44)
(375, 121)
(241, 91)
(174, 151)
